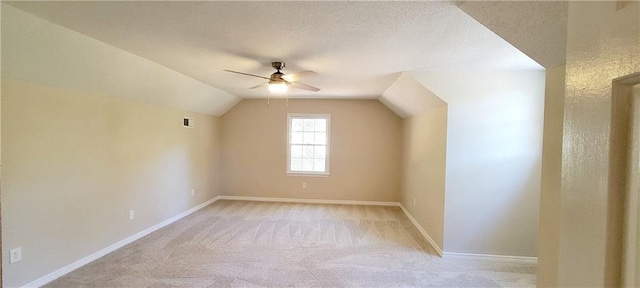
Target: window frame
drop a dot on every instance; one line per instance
(326, 172)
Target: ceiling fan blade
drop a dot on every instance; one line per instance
(247, 74)
(260, 85)
(303, 86)
(297, 76)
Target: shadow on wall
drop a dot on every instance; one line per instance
(496, 168)
(516, 206)
(500, 222)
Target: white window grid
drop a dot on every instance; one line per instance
(308, 146)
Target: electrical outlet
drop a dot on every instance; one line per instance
(304, 185)
(132, 214)
(15, 254)
(193, 192)
(414, 201)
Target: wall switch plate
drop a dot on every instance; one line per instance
(193, 192)
(304, 185)
(132, 214)
(15, 254)
(414, 201)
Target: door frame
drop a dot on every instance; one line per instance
(621, 159)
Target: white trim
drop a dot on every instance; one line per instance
(491, 257)
(424, 233)
(94, 256)
(302, 200)
(327, 156)
(296, 174)
(308, 173)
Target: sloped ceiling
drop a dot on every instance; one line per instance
(34, 50)
(407, 97)
(358, 49)
(538, 28)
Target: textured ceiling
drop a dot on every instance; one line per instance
(538, 28)
(357, 48)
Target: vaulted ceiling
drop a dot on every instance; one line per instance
(358, 49)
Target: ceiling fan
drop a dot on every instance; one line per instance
(280, 82)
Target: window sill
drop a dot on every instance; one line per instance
(302, 174)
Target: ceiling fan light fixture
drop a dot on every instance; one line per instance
(279, 82)
(278, 87)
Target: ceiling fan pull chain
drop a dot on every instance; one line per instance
(268, 104)
(286, 101)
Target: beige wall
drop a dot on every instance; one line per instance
(424, 166)
(551, 171)
(366, 151)
(77, 156)
(1, 250)
(602, 44)
(76, 163)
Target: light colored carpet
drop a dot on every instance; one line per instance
(255, 244)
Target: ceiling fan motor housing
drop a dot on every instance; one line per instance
(277, 77)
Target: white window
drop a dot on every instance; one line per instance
(308, 144)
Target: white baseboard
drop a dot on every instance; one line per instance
(424, 233)
(303, 200)
(94, 256)
(492, 257)
(75, 265)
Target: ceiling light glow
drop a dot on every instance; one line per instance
(278, 87)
